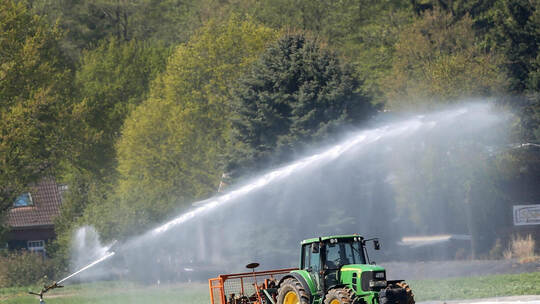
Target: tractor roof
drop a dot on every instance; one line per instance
(325, 238)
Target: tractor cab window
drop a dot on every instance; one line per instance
(311, 261)
(358, 253)
(305, 256)
(315, 262)
(343, 253)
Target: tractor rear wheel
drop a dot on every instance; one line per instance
(339, 296)
(292, 292)
(410, 295)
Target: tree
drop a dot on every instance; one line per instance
(438, 61)
(35, 86)
(113, 79)
(172, 145)
(88, 22)
(517, 25)
(364, 32)
(297, 92)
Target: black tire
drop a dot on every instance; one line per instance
(290, 290)
(410, 294)
(339, 296)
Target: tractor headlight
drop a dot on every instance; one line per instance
(374, 284)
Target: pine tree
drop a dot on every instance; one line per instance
(297, 93)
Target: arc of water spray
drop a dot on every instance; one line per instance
(103, 258)
(364, 137)
(55, 285)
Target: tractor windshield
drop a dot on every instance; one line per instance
(344, 253)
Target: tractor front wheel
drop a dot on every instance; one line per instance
(410, 295)
(339, 296)
(292, 292)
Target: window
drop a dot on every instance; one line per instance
(358, 253)
(315, 262)
(23, 200)
(343, 253)
(36, 246)
(305, 256)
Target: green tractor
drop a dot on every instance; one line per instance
(337, 270)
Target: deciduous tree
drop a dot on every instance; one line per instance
(172, 145)
(35, 86)
(438, 61)
(112, 79)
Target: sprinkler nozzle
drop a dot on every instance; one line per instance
(45, 289)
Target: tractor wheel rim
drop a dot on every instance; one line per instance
(291, 298)
(334, 301)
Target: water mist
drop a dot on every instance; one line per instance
(408, 177)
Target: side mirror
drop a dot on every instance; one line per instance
(314, 248)
(376, 245)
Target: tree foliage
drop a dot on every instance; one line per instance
(112, 80)
(296, 93)
(172, 145)
(168, 22)
(441, 60)
(364, 31)
(517, 26)
(35, 86)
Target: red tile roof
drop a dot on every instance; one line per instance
(46, 200)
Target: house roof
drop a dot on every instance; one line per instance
(46, 198)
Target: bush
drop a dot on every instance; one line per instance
(24, 268)
(521, 248)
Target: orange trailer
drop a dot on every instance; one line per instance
(245, 288)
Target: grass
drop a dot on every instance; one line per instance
(197, 293)
(477, 287)
(112, 292)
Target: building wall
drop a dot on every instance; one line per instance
(19, 239)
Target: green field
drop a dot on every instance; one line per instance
(477, 287)
(197, 293)
(112, 292)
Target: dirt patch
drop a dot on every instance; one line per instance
(450, 269)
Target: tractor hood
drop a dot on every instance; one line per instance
(361, 268)
(363, 278)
